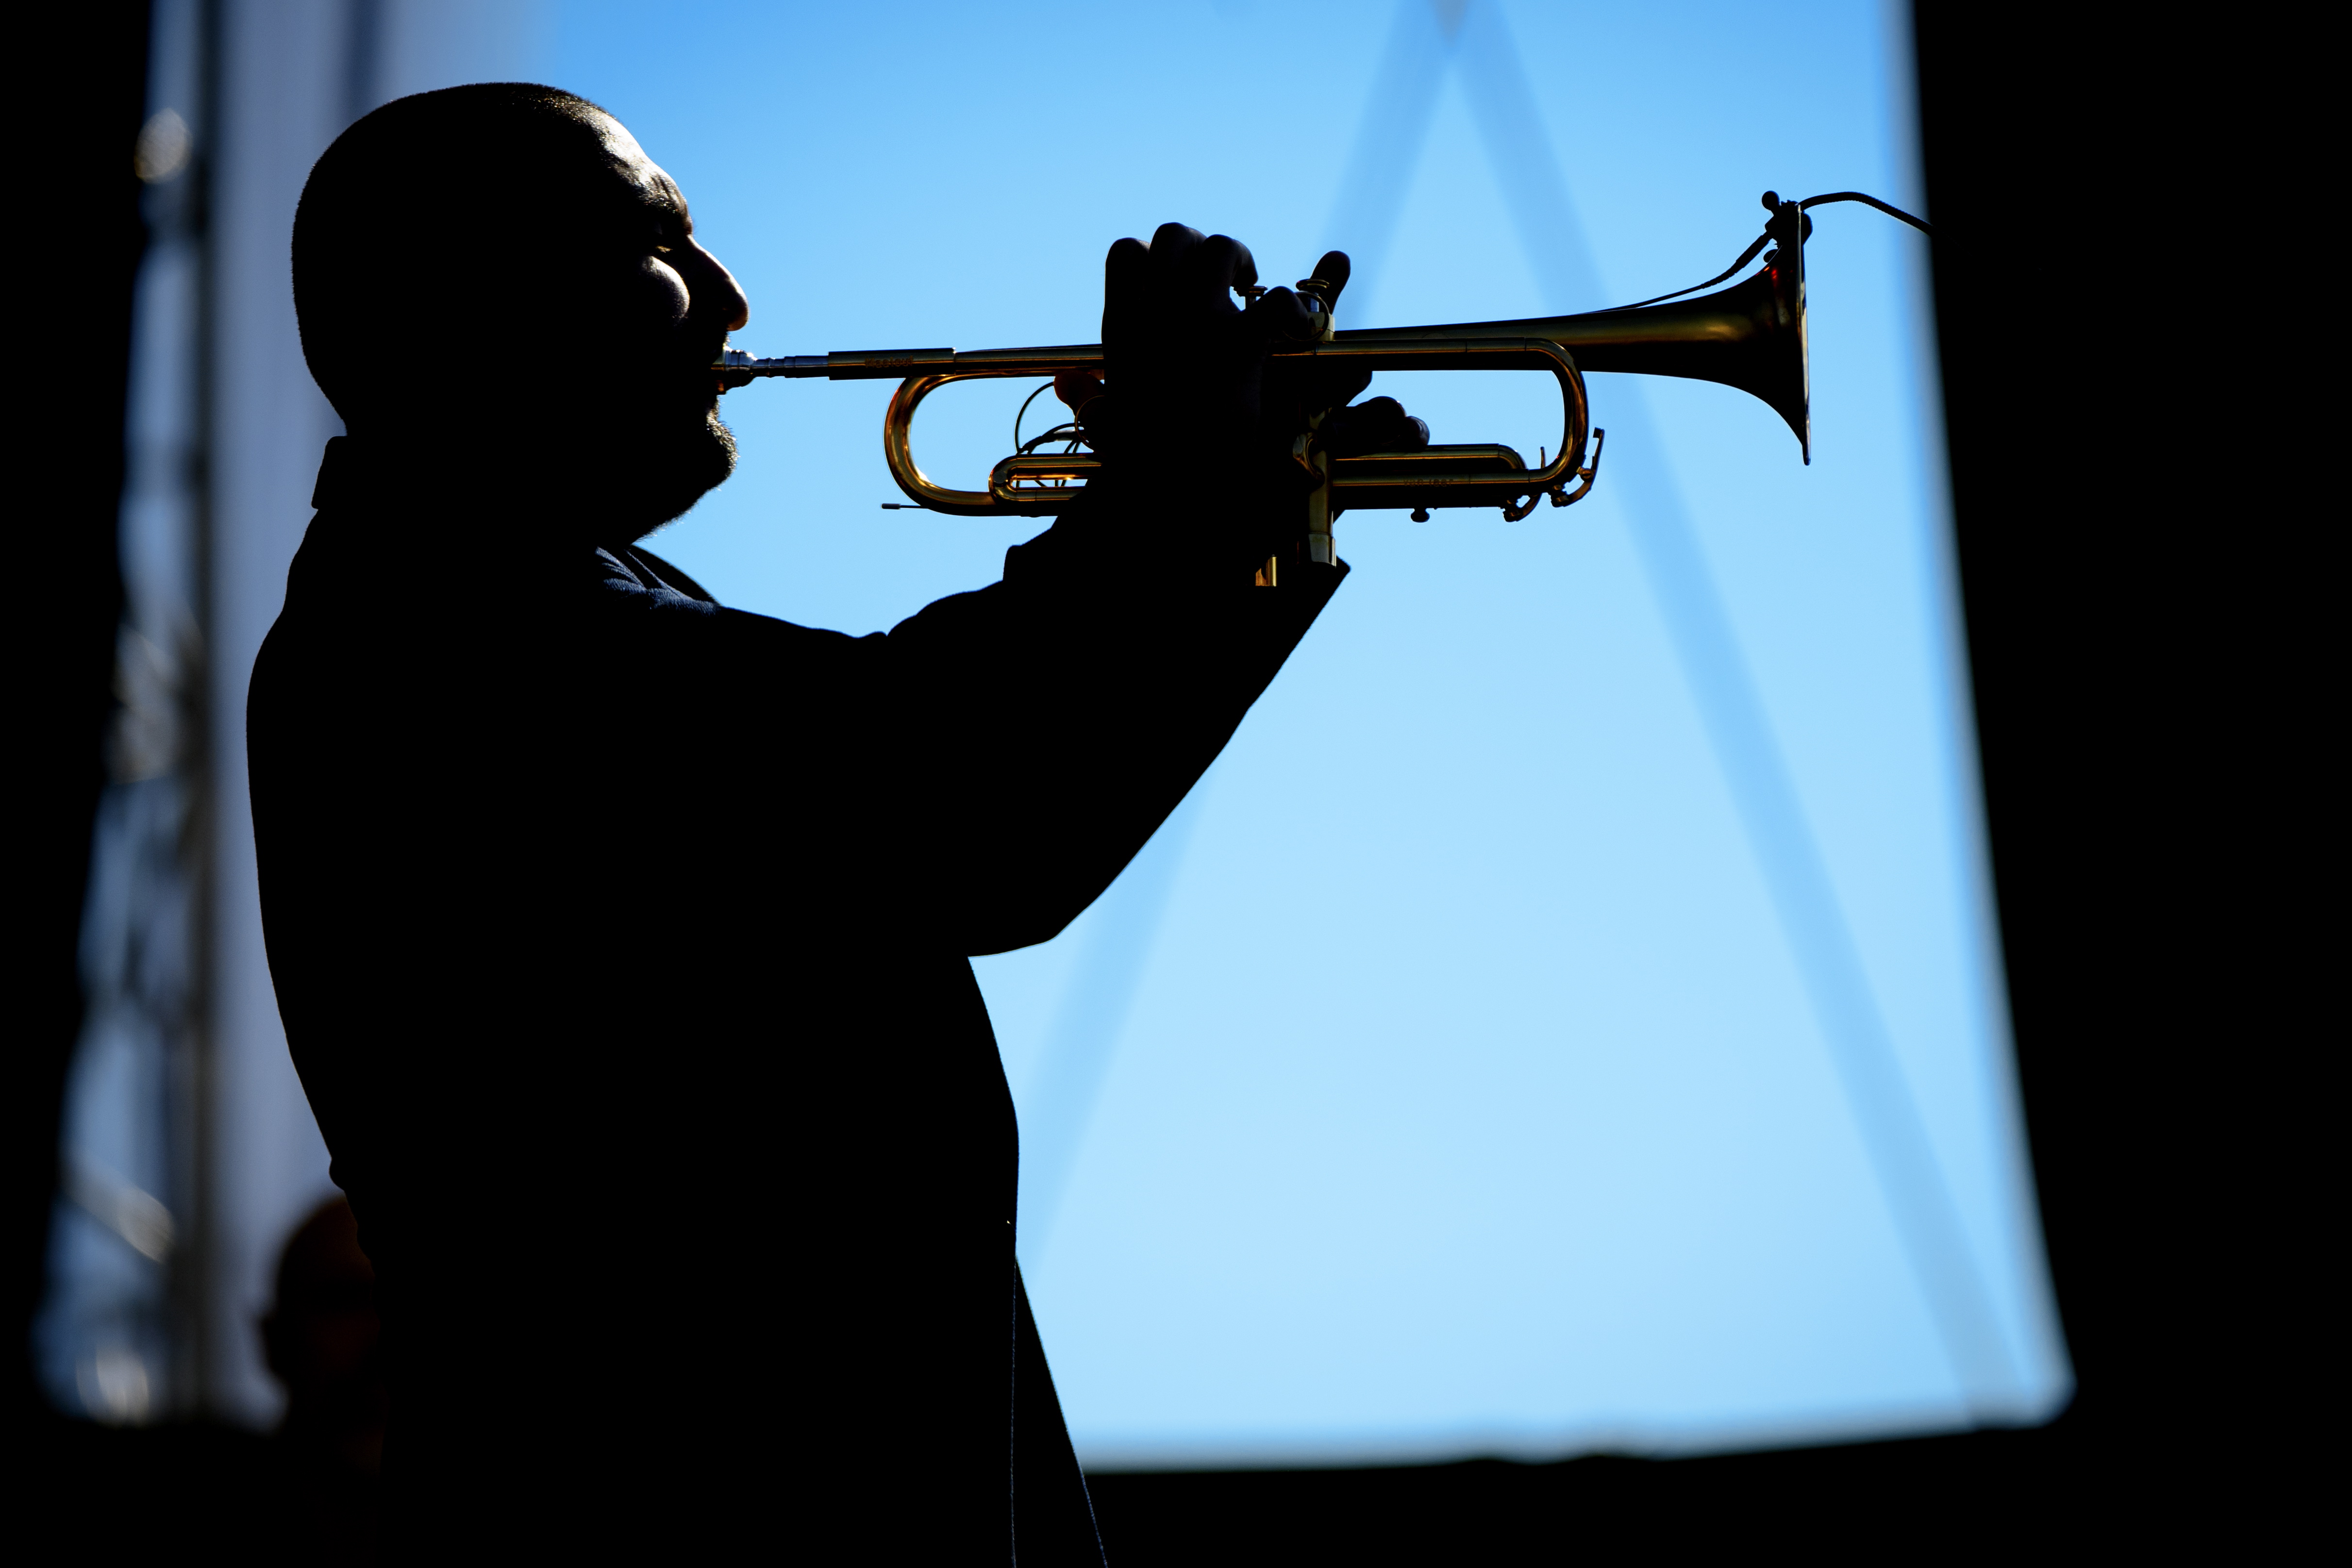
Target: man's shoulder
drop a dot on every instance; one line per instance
(365, 604)
(664, 573)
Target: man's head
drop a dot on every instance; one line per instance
(496, 279)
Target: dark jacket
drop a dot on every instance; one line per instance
(621, 942)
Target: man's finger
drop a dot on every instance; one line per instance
(1380, 425)
(1333, 269)
(1208, 273)
(1173, 245)
(1127, 262)
(1127, 279)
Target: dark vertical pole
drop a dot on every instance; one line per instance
(81, 84)
(194, 1085)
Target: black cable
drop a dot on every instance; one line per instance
(1070, 433)
(1867, 200)
(1772, 200)
(1745, 257)
(1023, 410)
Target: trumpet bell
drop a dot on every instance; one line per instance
(1751, 335)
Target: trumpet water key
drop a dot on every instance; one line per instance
(1751, 335)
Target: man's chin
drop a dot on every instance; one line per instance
(639, 484)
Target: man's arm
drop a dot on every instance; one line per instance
(979, 774)
(1072, 718)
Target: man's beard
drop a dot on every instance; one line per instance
(673, 471)
(630, 476)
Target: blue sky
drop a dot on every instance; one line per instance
(1446, 1076)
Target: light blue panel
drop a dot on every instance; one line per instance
(1465, 1096)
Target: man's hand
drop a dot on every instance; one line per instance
(1195, 414)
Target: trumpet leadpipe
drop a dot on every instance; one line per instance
(898, 365)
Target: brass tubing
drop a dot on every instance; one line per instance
(1442, 477)
(1462, 476)
(892, 365)
(898, 445)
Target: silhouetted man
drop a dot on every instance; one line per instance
(582, 889)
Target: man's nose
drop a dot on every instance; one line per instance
(725, 296)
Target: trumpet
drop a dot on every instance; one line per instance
(1751, 335)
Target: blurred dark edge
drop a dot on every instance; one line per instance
(2101, 650)
(78, 80)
